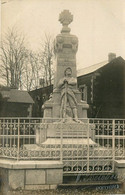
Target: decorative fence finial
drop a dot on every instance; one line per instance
(65, 19)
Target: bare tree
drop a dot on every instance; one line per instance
(32, 71)
(47, 58)
(13, 56)
(23, 68)
(39, 65)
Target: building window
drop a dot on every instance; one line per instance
(83, 90)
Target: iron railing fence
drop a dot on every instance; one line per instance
(110, 133)
(16, 132)
(90, 146)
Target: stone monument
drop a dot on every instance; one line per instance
(65, 132)
(65, 110)
(66, 99)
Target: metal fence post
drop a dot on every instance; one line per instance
(113, 142)
(61, 144)
(88, 144)
(18, 141)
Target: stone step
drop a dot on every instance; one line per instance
(99, 181)
(89, 183)
(98, 186)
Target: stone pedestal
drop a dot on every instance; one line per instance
(52, 107)
(30, 175)
(64, 130)
(120, 169)
(120, 172)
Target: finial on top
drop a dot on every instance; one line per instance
(65, 19)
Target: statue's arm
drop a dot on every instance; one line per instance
(61, 83)
(72, 81)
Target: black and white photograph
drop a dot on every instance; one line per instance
(62, 97)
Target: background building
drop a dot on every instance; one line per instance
(40, 96)
(15, 103)
(102, 85)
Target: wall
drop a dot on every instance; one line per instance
(9, 109)
(30, 175)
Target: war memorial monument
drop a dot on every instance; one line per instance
(65, 141)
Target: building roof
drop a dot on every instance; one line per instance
(15, 95)
(90, 69)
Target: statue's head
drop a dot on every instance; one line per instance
(68, 72)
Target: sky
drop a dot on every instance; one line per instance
(98, 24)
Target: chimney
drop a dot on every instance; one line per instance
(111, 56)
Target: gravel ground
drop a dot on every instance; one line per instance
(82, 191)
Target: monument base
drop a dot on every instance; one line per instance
(52, 106)
(73, 144)
(30, 175)
(64, 130)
